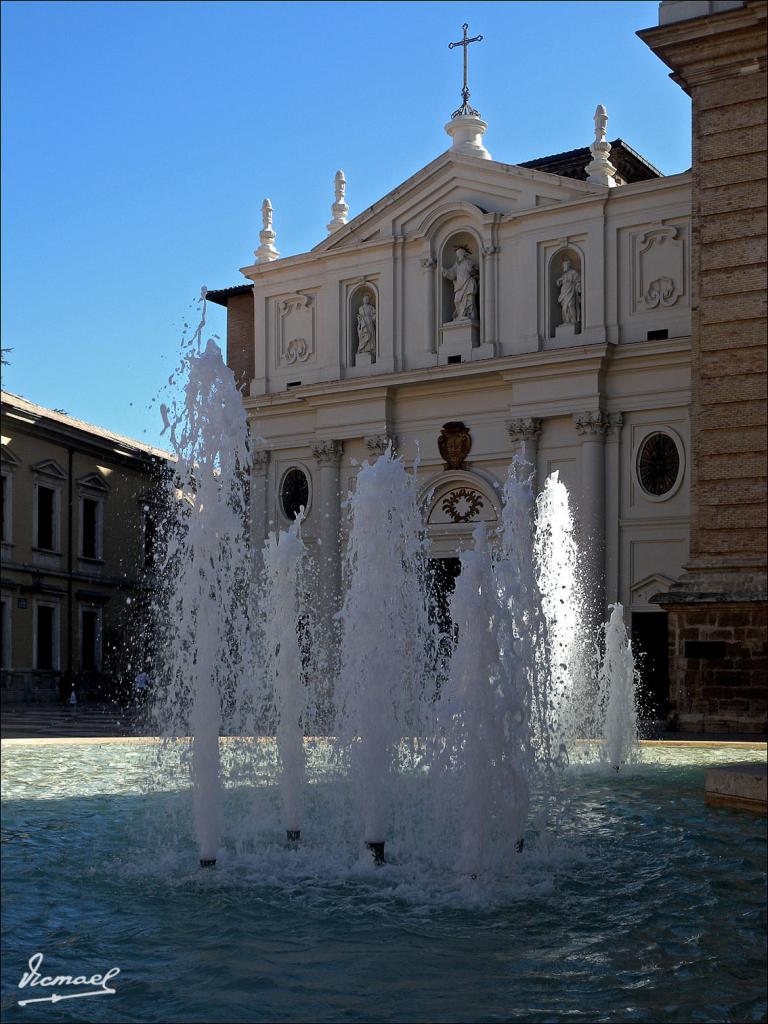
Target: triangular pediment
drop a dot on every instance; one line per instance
(8, 458)
(49, 467)
(452, 183)
(94, 482)
(656, 583)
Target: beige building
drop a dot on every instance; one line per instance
(77, 541)
(487, 304)
(719, 650)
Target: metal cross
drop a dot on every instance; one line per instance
(465, 109)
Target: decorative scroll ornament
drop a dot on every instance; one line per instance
(297, 350)
(454, 444)
(462, 505)
(663, 291)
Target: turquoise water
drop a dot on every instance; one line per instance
(650, 906)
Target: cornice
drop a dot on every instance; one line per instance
(516, 368)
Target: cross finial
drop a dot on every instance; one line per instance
(465, 110)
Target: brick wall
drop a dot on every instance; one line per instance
(241, 353)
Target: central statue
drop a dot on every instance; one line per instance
(464, 275)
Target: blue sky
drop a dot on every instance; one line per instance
(140, 138)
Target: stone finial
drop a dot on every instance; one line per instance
(600, 170)
(467, 135)
(340, 208)
(266, 251)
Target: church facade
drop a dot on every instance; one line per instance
(476, 308)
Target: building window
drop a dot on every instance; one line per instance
(46, 502)
(7, 510)
(90, 528)
(90, 639)
(46, 637)
(294, 493)
(5, 634)
(659, 465)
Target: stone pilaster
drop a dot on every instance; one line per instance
(327, 454)
(525, 431)
(591, 427)
(612, 504)
(430, 326)
(259, 500)
(490, 318)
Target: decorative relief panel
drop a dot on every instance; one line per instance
(295, 330)
(659, 268)
(459, 504)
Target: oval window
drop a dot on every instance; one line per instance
(658, 464)
(294, 494)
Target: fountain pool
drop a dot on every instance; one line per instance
(648, 906)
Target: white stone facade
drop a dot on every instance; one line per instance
(583, 395)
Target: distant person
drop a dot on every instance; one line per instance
(141, 687)
(73, 699)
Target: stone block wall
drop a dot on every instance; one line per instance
(725, 689)
(718, 56)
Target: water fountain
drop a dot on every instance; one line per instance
(451, 762)
(477, 734)
(207, 571)
(385, 638)
(618, 694)
(284, 579)
(486, 706)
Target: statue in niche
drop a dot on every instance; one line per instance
(366, 326)
(464, 274)
(569, 298)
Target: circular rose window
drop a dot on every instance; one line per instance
(658, 464)
(294, 494)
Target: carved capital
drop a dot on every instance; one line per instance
(615, 423)
(428, 263)
(591, 423)
(260, 461)
(377, 444)
(525, 428)
(490, 250)
(327, 452)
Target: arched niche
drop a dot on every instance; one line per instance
(565, 281)
(453, 504)
(363, 326)
(447, 259)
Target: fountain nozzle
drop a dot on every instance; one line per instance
(377, 851)
(207, 862)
